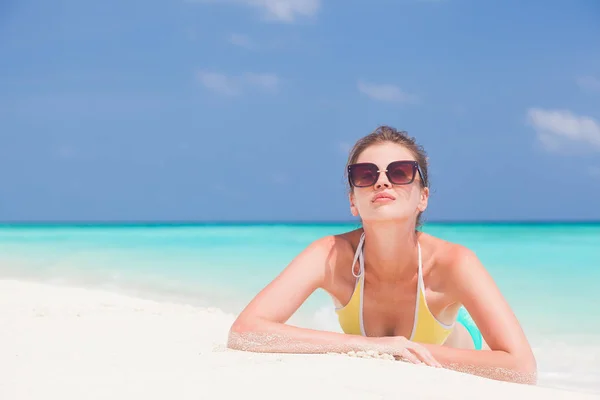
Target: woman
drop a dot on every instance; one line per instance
(397, 290)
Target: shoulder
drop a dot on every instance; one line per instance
(448, 255)
(453, 263)
(338, 253)
(338, 244)
(333, 249)
(457, 257)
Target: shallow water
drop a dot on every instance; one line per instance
(548, 272)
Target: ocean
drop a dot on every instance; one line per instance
(549, 273)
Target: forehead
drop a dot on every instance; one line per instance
(385, 153)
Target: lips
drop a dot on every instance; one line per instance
(383, 197)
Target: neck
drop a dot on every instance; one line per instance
(390, 250)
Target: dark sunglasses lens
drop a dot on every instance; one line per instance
(363, 175)
(401, 173)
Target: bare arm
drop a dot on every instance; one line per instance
(261, 326)
(511, 357)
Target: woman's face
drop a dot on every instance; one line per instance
(385, 200)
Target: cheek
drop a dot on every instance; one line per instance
(408, 198)
(361, 198)
(361, 201)
(407, 193)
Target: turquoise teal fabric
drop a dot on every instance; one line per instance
(465, 319)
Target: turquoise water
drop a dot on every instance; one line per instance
(550, 273)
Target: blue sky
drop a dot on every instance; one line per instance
(245, 109)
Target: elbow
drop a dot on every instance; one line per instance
(239, 326)
(239, 337)
(526, 369)
(236, 333)
(530, 371)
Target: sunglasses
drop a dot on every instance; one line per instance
(398, 173)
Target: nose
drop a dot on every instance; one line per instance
(382, 181)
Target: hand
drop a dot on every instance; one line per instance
(408, 350)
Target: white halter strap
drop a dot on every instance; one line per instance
(359, 255)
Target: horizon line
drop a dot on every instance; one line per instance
(290, 222)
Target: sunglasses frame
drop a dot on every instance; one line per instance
(415, 165)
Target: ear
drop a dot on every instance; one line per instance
(423, 202)
(353, 208)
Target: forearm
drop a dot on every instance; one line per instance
(493, 364)
(271, 337)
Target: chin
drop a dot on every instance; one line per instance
(386, 214)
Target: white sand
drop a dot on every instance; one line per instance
(68, 343)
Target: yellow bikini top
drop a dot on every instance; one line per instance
(426, 328)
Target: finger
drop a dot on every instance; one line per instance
(418, 355)
(410, 357)
(424, 355)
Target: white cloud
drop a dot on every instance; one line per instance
(235, 85)
(242, 41)
(266, 81)
(594, 171)
(219, 83)
(589, 83)
(287, 10)
(559, 130)
(385, 92)
(277, 10)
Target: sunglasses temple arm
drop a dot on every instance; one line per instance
(421, 174)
